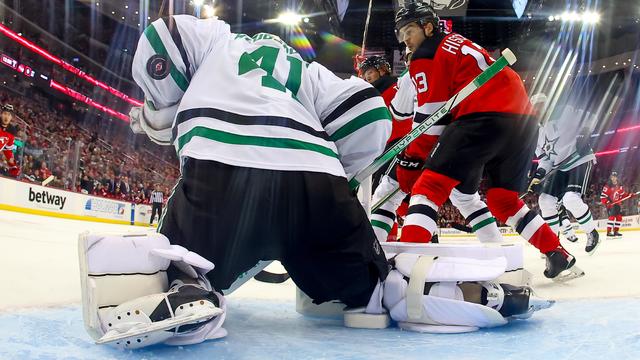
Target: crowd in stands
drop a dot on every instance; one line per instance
(83, 158)
(41, 65)
(79, 156)
(93, 159)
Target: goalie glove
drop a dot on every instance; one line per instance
(536, 182)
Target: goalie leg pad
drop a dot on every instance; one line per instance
(408, 300)
(125, 286)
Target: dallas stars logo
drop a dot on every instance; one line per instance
(549, 146)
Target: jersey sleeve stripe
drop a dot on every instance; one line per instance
(156, 43)
(235, 139)
(352, 101)
(371, 116)
(397, 114)
(239, 119)
(171, 24)
(430, 108)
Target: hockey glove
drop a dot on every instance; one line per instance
(536, 183)
(156, 124)
(583, 145)
(14, 171)
(408, 171)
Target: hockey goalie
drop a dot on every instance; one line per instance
(266, 143)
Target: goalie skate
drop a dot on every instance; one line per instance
(141, 329)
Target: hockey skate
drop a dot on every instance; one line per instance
(593, 241)
(184, 309)
(561, 266)
(572, 238)
(520, 302)
(617, 234)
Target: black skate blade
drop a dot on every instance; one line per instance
(567, 275)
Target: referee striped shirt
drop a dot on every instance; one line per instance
(156, 197)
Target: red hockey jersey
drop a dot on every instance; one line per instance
(445, 63)
(612, 193)
(7, 145)
(387, 86)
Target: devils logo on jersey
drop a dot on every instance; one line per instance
(158, 67)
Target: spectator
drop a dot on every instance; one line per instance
(5, 120)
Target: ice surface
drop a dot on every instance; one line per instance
(270, 329)
(597, 316)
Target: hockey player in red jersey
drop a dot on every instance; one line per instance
(7, 146)
(376, 71)
(612, 196)
(493, 130)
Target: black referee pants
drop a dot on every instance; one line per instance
(156, 208)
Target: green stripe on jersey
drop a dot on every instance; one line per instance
(157, 45)
(235, 139)
(360, 121)
(384, 226)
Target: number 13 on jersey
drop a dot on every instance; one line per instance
(265, 58)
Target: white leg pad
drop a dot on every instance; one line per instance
(115, 269)
(513, 253)
(123, 278)
(444, 305)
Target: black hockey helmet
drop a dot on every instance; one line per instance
(7, 108)
(614, 173)
(375, 61)
(418, 12)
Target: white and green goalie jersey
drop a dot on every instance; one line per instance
(252, 101)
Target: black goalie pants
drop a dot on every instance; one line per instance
(310, 222)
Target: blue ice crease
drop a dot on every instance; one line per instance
(262, 329)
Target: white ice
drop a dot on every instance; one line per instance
(597, 316)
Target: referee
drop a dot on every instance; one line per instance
(156, 204)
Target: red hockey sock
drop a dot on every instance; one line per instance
(544, 239)
(393, 234)
(415, 234)
(429, 193)
(507, 207)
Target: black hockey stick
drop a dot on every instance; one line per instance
(271, 278)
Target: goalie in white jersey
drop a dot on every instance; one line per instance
(266, 143)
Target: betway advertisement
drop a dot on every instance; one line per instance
(49, 201)
(46, 198)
